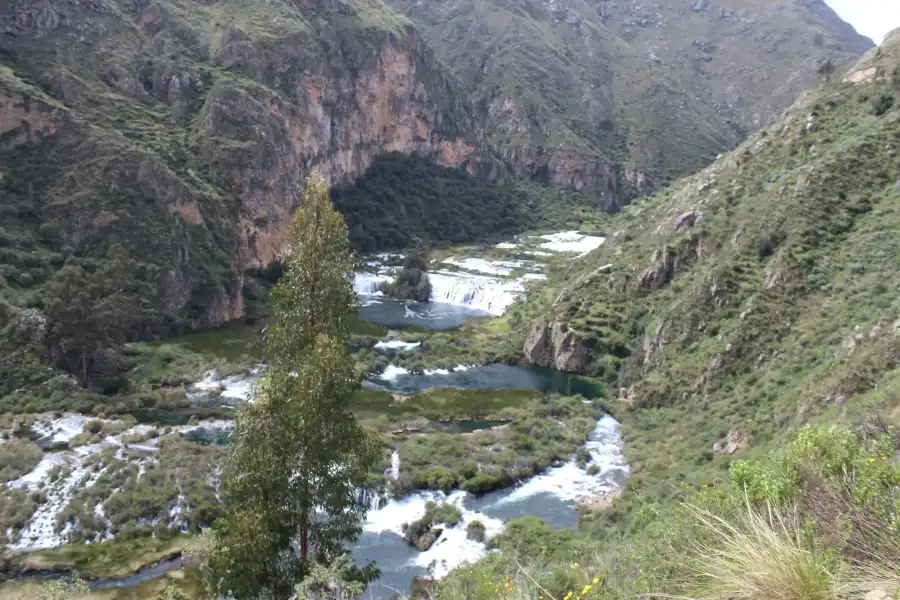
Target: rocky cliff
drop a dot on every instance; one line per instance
(180, 129)
(756, 295)
(621, 97)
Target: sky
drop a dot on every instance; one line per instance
(872, 18)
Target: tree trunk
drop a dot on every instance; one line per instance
(304, 535)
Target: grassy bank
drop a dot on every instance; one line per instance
(107, 560)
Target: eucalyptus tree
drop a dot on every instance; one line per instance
(299, 454)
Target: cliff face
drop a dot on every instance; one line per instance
(765, 280)
(565, 100)
(180, 129)
(623, 97)
(749, 58)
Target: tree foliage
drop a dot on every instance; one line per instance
(411, 282)
(299, 454)
(91, 311)
(402, 198)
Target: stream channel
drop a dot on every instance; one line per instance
(551, 495)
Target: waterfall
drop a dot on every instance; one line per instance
(367, 284)
(394, 471)
(372, 499)
(490, 294)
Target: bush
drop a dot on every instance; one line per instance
(882, 104)
(18, 457)
(475, 530)
(411, 283)
(763, 556)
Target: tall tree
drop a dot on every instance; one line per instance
(91, 310)
(299, 454)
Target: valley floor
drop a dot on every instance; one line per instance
(455, 422)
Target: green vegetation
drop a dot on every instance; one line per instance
(423, 532)
(775, 307)
(299, 454)
(403, 199)
(17, 457)
(89, 313)
(411, 282)
(475, 531)
(824, 541)
(504, 446)
(113, 559)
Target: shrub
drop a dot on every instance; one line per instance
(762, 556)
(18, 457)
(882, 104)
(475, 530)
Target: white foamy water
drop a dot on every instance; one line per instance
(490, 294)
(392, 372)
(399, 345)
(568, 484)
(394, 470)
(571, 241)
(452, 549)
(236, 387)
(482, 284)
(571, 482)
(63, 429)
(501, 268)
(367, 284)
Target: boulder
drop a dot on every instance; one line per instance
(556, 346)
(662, 271)
(737, 439)
(688, 219)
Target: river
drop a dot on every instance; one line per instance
(551, 495)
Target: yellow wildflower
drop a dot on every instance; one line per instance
(595, 580)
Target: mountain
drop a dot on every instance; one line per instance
(625, 96)
(754, 296)
(174, 132)
(179, 129)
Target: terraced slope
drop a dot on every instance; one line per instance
(755, 295)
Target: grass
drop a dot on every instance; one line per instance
(18, 457)
(823, 541)
(763, 556)
(113, 559)
(187, 580)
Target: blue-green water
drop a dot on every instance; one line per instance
(397, 314)
(487, 377)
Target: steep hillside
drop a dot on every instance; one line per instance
(179, 129)
(626, 96)
(755, 295)
(566, 100)
(750, 58)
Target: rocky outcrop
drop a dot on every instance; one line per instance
(556, 346)
(661, 272)
(737, 439)
(142, 123)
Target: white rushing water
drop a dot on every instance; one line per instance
(490, 294)
(367, 284)
(572, 241)
(502, 268)
(236, 387)
(479, 283)
(398, 345)
(568, 484)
